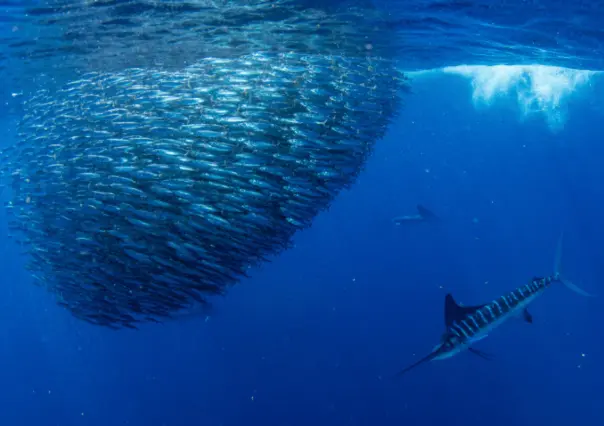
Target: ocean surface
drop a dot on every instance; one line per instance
(499, 134)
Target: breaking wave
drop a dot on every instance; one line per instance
(539, 89)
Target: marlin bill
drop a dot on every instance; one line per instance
(466, 325)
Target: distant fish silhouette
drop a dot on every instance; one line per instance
(424, 215)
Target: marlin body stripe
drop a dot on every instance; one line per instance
(466, 325)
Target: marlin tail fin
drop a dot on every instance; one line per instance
(557, 267)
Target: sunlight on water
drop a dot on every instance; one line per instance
(539, 89)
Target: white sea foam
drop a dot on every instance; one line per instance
(539, 89)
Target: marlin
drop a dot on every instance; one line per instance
(466, 325)
(423, 215)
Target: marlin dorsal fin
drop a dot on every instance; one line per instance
(455, 312)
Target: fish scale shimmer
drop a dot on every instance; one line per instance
(139, 193)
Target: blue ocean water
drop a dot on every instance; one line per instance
(506, 157)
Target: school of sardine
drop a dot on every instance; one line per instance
(142, 192)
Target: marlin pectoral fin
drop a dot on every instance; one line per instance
(527, 316)
(481, 354)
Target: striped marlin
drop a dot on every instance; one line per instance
(466, 325)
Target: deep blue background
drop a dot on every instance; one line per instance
(315, 336)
